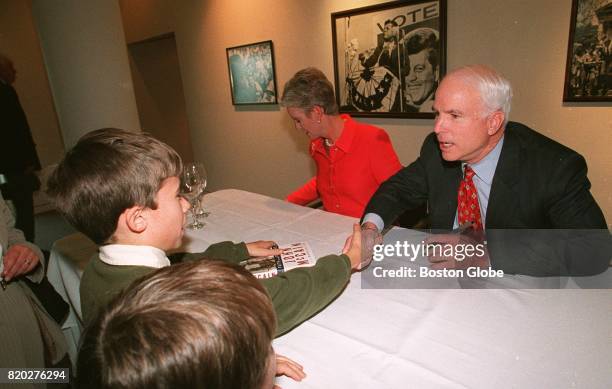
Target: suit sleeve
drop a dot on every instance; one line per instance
(406, 189)
(372, 60)
(577, 243)
(300, 293)
(305, 194)
(573, 206)
(589, 244)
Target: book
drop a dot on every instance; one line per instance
(293, 256)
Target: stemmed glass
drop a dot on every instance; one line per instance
(193, 183)
(200, 208)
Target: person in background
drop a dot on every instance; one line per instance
(29, 336)
(204, 324)
(423, 64)
(18, 159)
(387, 52)
(352, 158)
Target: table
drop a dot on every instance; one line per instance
(437, 338)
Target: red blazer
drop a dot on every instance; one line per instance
(360, 160)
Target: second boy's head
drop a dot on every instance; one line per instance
(117, 186)
(199, 324)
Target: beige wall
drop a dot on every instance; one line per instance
(159, 92)
(261, 151)
(19, 41)
(86, 59)
(144, 19)
(527, 41)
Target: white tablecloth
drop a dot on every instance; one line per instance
(415, 338)
(68, 258)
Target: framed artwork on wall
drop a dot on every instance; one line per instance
(389, 58)
(588, 69)
(251, 73)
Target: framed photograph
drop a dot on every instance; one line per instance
(251, 73)
(389, 58)
(588, 70)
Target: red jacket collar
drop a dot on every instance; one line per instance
(344, 142)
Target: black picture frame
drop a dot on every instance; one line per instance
(588, 69)
(252, 73)
(389, 58)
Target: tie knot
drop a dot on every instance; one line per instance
(468, 172)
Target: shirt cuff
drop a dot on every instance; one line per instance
(375, 219)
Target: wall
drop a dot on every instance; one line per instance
(527, 42)
(18, 40)
(144, 19)
(259, 150)
(159, 92)
(154, 63)
(86, 59)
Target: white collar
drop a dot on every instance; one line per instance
(133, 255)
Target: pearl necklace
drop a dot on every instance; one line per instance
(328, 143)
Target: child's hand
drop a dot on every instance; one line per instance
(289, 368)
(352, 248)
(263, 248)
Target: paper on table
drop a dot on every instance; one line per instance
(293, 256)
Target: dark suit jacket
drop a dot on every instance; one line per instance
(18, 151)
(538, 184)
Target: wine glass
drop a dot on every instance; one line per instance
(193, 183)
(199, 208)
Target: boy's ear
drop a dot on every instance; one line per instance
(135, 219)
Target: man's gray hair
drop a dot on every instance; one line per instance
(495, 90)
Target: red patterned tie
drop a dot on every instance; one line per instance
(468, 209)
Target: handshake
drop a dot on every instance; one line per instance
(359, 247)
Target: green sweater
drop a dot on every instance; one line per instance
(296, 295)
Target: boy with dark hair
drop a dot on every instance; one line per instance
(121, 189)
(180, 327)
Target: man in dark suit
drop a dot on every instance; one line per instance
(514, 178)
(18, 158)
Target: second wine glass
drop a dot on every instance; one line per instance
(193, 183)
(200, 208)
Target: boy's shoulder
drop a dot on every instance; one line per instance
(101, 282)
(98, 271)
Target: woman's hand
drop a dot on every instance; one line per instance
(19, 260)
